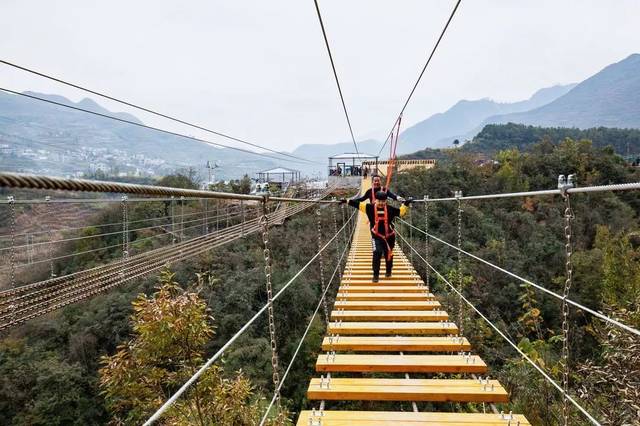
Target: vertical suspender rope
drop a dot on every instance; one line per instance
(125, 234)
(335, 230)
(392, 151)
(411, 234)
(49, 213)
(181, 218)
(173, 220)
(461, 307)
(321, 264)
(568, 219)
(264, 222)
(12, 230)
(426, 240)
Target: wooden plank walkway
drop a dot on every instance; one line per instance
(395, 328)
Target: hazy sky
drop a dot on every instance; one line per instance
(259, 69)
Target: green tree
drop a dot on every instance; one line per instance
(171, 329)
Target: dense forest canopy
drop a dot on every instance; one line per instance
(50, 367)
(498, 137)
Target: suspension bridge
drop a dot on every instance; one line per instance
(391, 341)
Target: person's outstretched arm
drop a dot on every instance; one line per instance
(404, 208)
(364, 197)
(392, 195)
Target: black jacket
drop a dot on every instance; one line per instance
(367, 208)
(367, 196)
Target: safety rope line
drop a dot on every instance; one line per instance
(490, 323)
(101, 225)
(264, 223)
(539, 287)
(67, 256)
(322, 300)
(105, 234)
(28, 181)
(226, 346)
(577, 190)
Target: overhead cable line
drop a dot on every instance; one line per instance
(145, 126)
(150, 111)
(335, 75)
(509, 341)
(424, 68)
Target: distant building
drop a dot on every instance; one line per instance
(279, 177)
(346, 170)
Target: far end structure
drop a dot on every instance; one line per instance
(279, 177)
(346, 170)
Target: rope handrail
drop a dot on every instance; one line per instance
(490, 323)
(598, 188)
(201, 219)
(531, 283)
(304, 335)
(29, 181)
(235, 337)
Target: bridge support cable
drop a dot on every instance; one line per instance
(537, 286)
(322, 301)
(574, 190)
(560, 389)
(424, 68)
(235, 337)
(335, 75)
(29, 181)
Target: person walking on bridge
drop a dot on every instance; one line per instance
(376, 185)
(383, 237)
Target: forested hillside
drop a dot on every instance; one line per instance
(526, 236)
(497, 137)
(50, 366)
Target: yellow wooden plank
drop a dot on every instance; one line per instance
(414, 288)
(400, 363)
(389, 315)
(391, 418)
(434, 390)
(388, 305)
(350, 295)
(391, 328)
(396, 343)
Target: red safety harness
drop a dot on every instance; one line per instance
(382, 216)
(373, 194)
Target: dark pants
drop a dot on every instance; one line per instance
(379, 251)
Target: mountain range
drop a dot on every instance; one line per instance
(609, 98)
